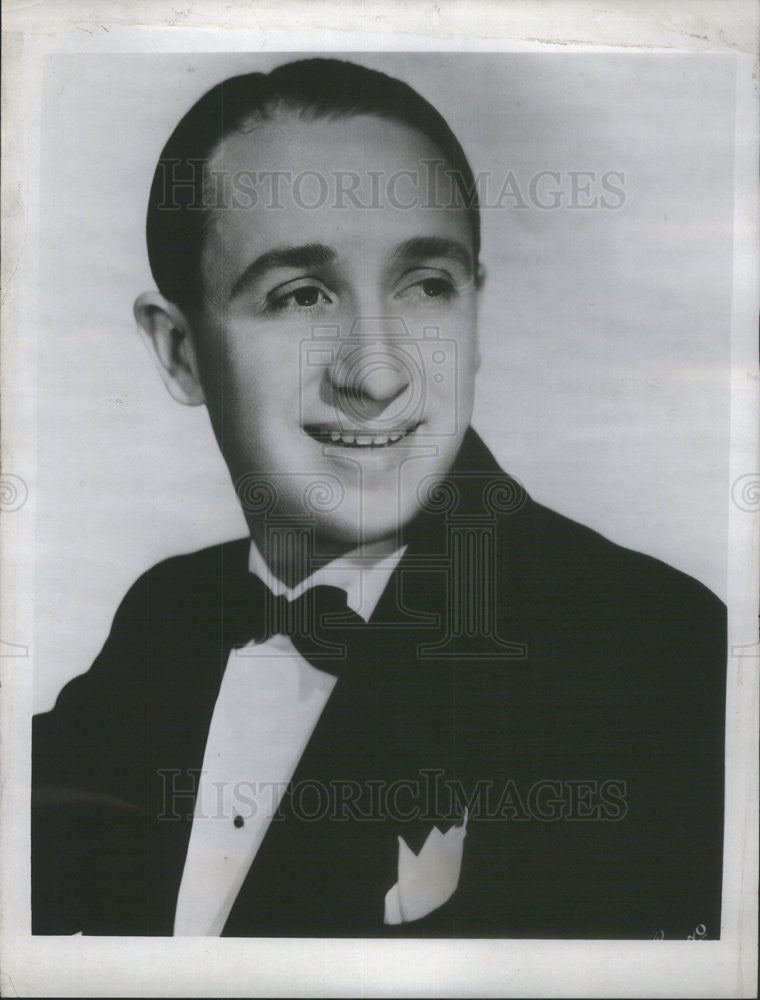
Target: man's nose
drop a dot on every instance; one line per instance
(371, 369)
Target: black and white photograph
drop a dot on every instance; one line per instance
(381, 492)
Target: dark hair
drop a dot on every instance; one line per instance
(315, 88)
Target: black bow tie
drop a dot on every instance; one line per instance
(319, 623)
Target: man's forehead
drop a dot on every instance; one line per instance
(360, 185)
(288, 142)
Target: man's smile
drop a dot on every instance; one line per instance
(359, 437)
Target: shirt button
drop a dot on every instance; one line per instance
(238, 821)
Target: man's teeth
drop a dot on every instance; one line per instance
(362, 440)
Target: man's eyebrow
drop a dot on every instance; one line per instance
(435, 246)
(308, 255)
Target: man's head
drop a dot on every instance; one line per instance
(314, 235)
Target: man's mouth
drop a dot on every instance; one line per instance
(359, 438)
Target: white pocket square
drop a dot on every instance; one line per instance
(428, 879)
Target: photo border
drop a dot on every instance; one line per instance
(82, 966)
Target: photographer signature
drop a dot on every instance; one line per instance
(698, 933)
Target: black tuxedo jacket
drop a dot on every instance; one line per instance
(570, 693)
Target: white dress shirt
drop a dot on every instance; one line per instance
(268, 705)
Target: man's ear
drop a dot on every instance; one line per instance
(168, 335)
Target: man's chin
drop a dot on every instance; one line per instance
(379, 512)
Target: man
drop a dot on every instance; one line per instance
(413, 702)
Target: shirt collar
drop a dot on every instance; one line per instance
(363, 573)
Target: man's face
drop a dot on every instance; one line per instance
(337, 336)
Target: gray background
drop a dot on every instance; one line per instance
(605, 334)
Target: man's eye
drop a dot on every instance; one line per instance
(434, 288)
(305, 297)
